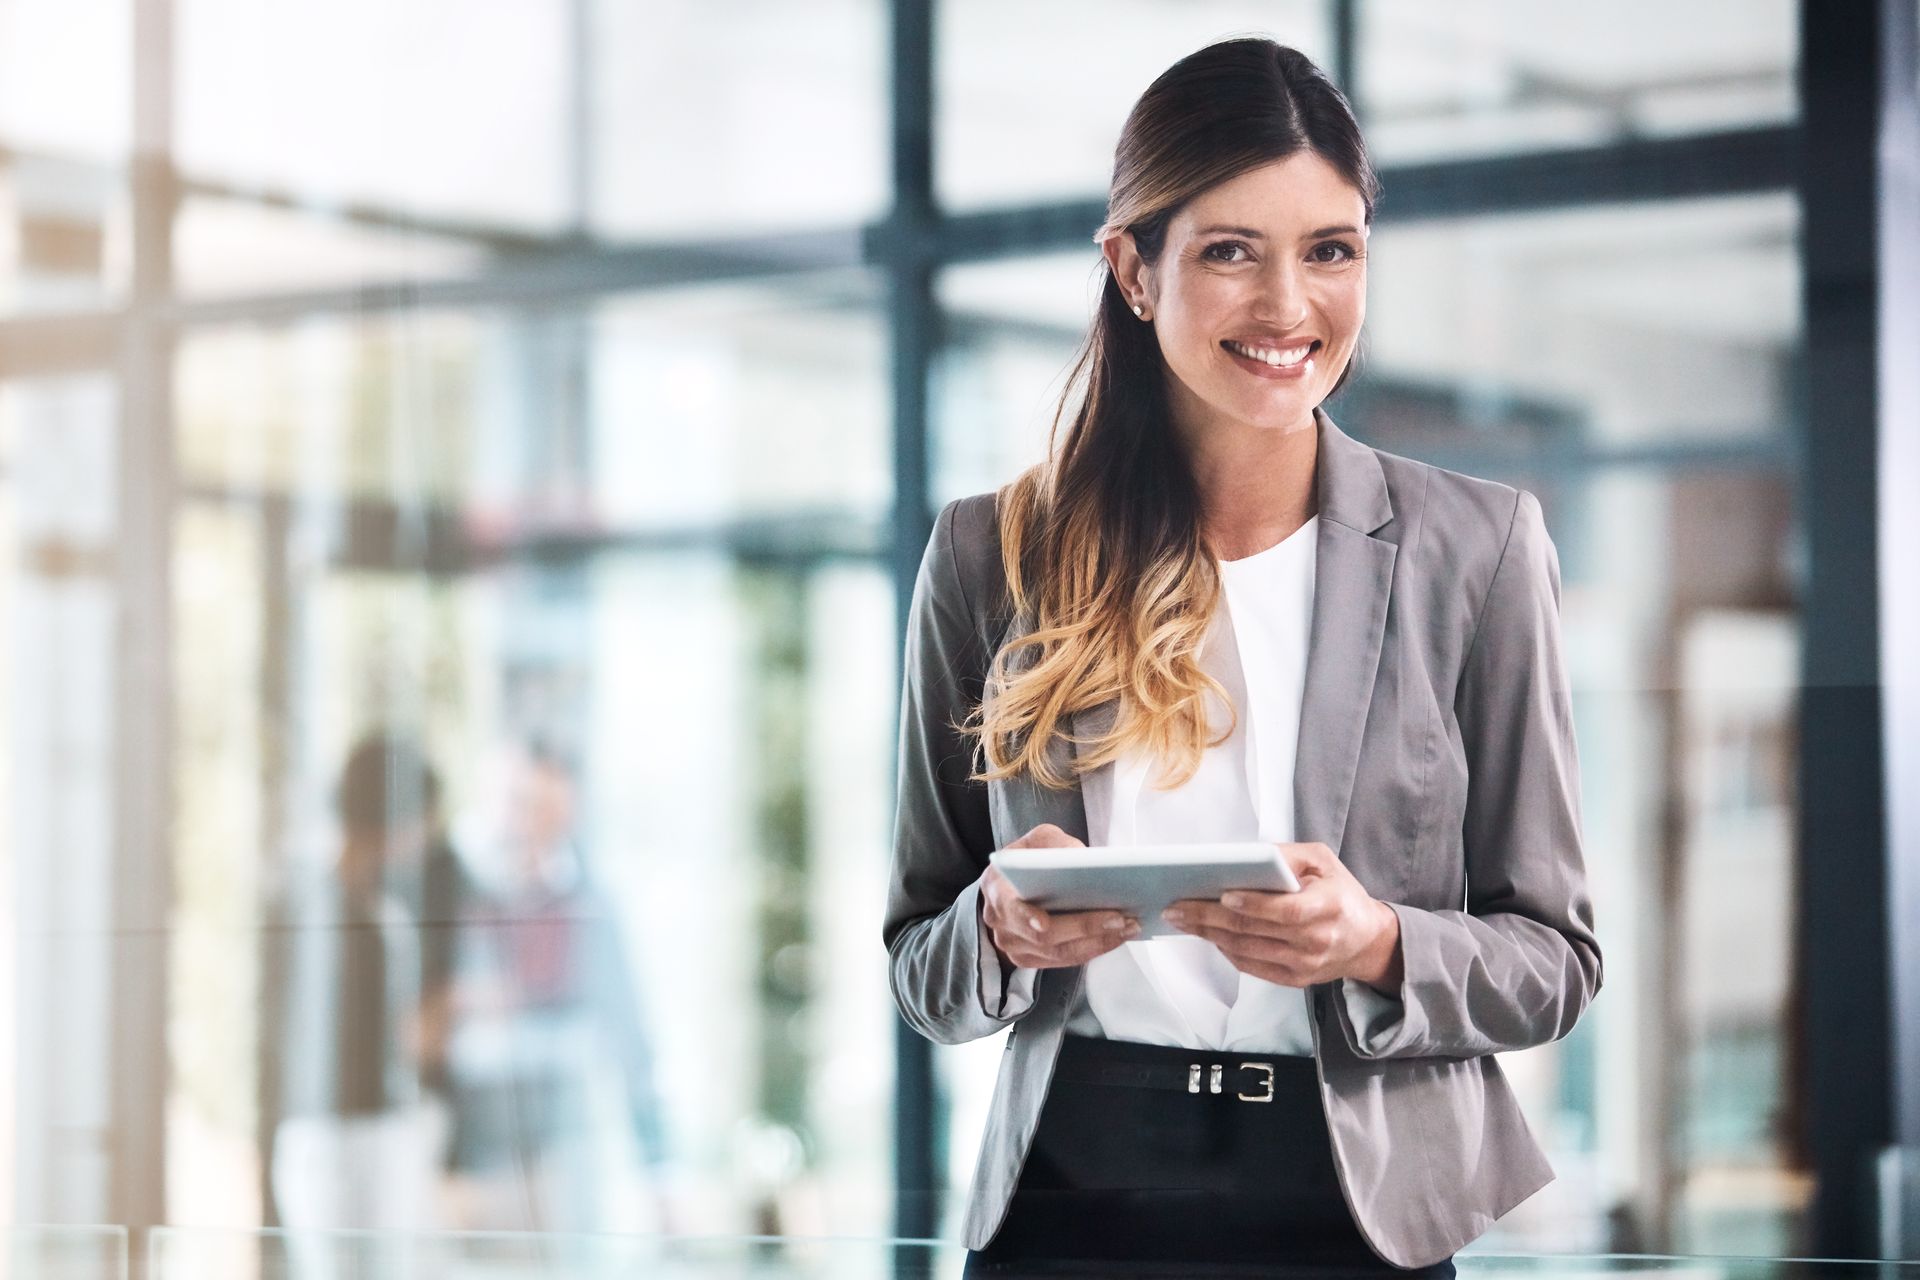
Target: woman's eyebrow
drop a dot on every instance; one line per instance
(1250, 234)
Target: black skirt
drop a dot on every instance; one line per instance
(1131, 1172)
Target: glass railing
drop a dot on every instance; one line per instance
(1512, 1266)
(192, 1254)
(63, 1253)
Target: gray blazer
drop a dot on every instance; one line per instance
(1436, 758)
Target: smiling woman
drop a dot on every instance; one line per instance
(1257, 301)
(1236, 218)
(1295, 638)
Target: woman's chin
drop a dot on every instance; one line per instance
(1289, 413)
(1274, 411)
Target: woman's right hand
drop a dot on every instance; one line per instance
(1031, 938)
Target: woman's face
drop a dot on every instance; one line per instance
(1258, 296)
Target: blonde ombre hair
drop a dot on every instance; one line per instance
(1101, 543)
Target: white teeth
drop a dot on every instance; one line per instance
(1271, 357)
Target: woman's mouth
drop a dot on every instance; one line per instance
(1294, 361)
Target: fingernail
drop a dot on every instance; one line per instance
(1233, 900)
(1033, 922)
(1115, 926)
(1175, 914)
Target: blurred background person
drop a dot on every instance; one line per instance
(549, 1048)
(355, 966)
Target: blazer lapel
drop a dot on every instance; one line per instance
(1070, 806)
(1353, 578)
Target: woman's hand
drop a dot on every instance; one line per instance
(1031, 938)
(1333, 928)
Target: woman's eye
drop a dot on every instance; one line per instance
(1345, 252)
(1218, 252)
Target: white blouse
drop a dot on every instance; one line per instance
(1180, 990)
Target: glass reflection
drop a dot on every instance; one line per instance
(354, 989)
(612, 572)
(544, 1010)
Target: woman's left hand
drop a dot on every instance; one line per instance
(1333, 928)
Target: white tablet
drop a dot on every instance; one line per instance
(1142, 880)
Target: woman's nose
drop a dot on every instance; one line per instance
(1283, 294)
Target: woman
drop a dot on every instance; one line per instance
(1211, 615)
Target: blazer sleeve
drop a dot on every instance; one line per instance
(1520, 964)
(942, 829)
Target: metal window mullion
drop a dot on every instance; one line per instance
(143, 757)
(1857, 1101)
(901, 245)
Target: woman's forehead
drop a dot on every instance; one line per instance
(1289, 198)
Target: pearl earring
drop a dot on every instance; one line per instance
(1138, 310)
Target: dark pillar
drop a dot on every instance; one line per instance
(902, 247)
(1898, 221)
(1859, 838)
(1344, 19)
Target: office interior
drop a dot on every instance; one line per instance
(559, 394)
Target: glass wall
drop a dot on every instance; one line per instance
(59, 524)
(1485, 77)
(541, 544)
(66, 116)
(1035, 117)
(527, 700)
(507, 395)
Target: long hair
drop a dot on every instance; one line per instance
(1101, 543)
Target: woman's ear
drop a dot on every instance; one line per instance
(1130, 272)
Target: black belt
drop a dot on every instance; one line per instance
(1203, 1072)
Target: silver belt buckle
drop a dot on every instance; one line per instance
(1258, 1066)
